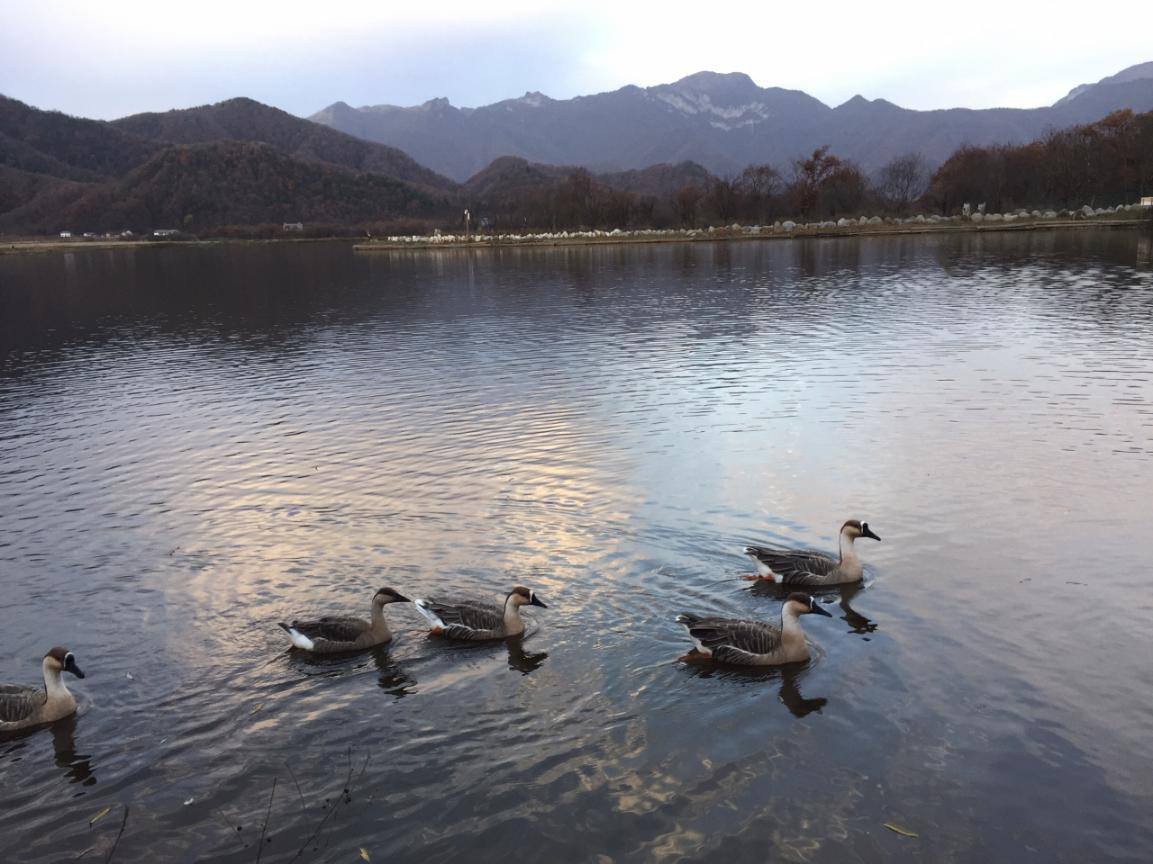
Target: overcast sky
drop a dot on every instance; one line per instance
(109, 58)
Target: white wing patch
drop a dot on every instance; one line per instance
(422, 607)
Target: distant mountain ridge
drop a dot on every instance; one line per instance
(509, 176)
(722, 121)
(48, 142)
(244, 119)
(237, 162)
(1140, 72)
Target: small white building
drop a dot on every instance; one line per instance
(1147, 201)
(165, 232)
(293, 227)
(65, 235)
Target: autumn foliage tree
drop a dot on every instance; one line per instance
(1100, 164)
(808, 177)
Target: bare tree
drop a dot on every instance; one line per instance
(685, 204)
(760, 185)
(902, 181)
(843, 191)
(724, 198)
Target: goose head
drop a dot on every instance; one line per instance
(519, 596)
(804, 604)
(854, 529)
(387, 595)
(61, 660)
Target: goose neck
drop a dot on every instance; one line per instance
(848, 551)
(54, 686)
(512, 620)
(790, 620)
(379, 624)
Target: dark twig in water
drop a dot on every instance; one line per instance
(296, 782)
(264, 827)
(223, 818)
(344, 798)
(119, 834)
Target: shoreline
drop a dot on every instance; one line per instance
(701, 235)
(722, 235)
(35, 247)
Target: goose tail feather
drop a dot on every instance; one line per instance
(297, 638)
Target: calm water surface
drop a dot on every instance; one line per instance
(198, 443)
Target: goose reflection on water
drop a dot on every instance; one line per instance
(857, 622)
(519, 660)
(391, 678)
(524, 662)
(77, 767)
(789, 675)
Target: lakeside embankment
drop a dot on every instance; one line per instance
(38, 245)
(1120, 217)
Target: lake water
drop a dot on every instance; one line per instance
(197, 443)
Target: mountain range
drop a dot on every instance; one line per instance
(239, 162)
(721, 121)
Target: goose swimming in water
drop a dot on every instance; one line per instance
(23, 705)
(476, 620)
(334, 634)
(755, 643)
(813, 569)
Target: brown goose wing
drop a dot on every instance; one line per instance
(733, 641)
(332, 628)
(19, 702)
(794, 567)
(465, 619)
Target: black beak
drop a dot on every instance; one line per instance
(71, 666)
(536, 602)
(865, 532)
(818, 609)
(400, 598)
